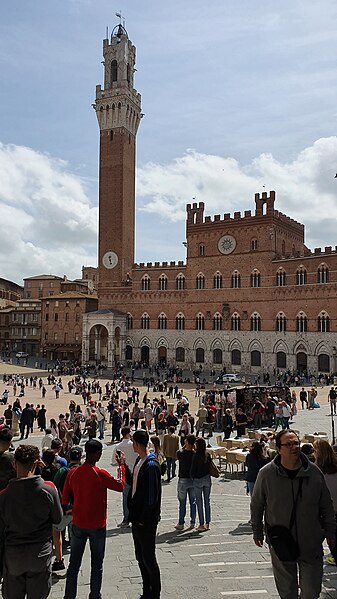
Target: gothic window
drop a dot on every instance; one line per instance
(283, 247)
(236, 357)
(180, 282)
(236, 280)
(255, 322)
(323, 363)
(253, 245)
(255, 278)
(162, 321)
(201, 249)
(180, 354)
(217, 356)
(323, 323)
(146, 283)
(281, 323)
(281, 359)
(301, 276)
(280, 278)
(162, 283)
(235, 322)
(145, 321)
(323, 274)
(255, 358)
(200, 322)
(200, 355)
(114, 70)
(217, 281)
(129, 321)
(217, 322)
(301, 323)
(200, 281)
(180, 322)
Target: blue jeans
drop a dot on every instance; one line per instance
(185, 487)
(126, 490)
(202, 489)
(101, 424)
(171, 468)
(97, 549)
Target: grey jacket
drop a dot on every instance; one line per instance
(273, 499)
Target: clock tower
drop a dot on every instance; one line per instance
(118, 110)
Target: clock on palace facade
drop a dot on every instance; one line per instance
(226, 244)
(110, 260)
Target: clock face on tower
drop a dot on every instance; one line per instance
(227, 244)
(110, 260)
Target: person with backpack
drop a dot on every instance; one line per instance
(75, 457)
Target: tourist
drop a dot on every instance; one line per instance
(241, 423)
(185, 483)
(170, 447)
(202, 483)
(185, 428)
(326, 460)
(255, 460)
(125, 448)
(7, 465)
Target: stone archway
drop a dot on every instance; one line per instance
(162, 355)
(98, 344)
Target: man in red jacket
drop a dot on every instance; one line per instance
(86, 489)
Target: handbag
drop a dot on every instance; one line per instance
(214, 470)
(281, 538)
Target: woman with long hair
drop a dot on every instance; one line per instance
(326, 460)
(202, 483)
(185, 428)
(254, 462)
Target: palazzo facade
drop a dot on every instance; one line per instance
(250, 296)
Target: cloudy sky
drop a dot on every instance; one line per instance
(236, 95)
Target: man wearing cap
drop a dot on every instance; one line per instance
(86, 488)
(144, 512)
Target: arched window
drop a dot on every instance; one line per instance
(217, 281)
(255, 358)
(162, 283)
(323, 274)
(280, 278)
(236, 280)
(128, 352)
(217, 356)
(200, 355)
(180, 282)
(253, 245)
(200, 322)
(180, 354)
(145, 321)
(162, 321)
(201, 249)
(146, 283)
(323, 323)
(129, 321)
(255, 322)
(217, 322)
(235, 322)
(200, 281)
(281, 359)
(301, 276)
(114, 70)
(236, 357)
(301, 323)
(281, 323)
(180, 322)
(323, 363)
(255, 278)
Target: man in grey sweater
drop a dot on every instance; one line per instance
(291, 479)
(28, 509)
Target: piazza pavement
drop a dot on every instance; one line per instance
(223, 562)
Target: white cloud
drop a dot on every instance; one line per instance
(47, 222)
(306, 188)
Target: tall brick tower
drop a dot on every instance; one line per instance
(118, 110)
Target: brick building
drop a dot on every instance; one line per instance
(9, 293)
(251, 296)
(62, 323)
